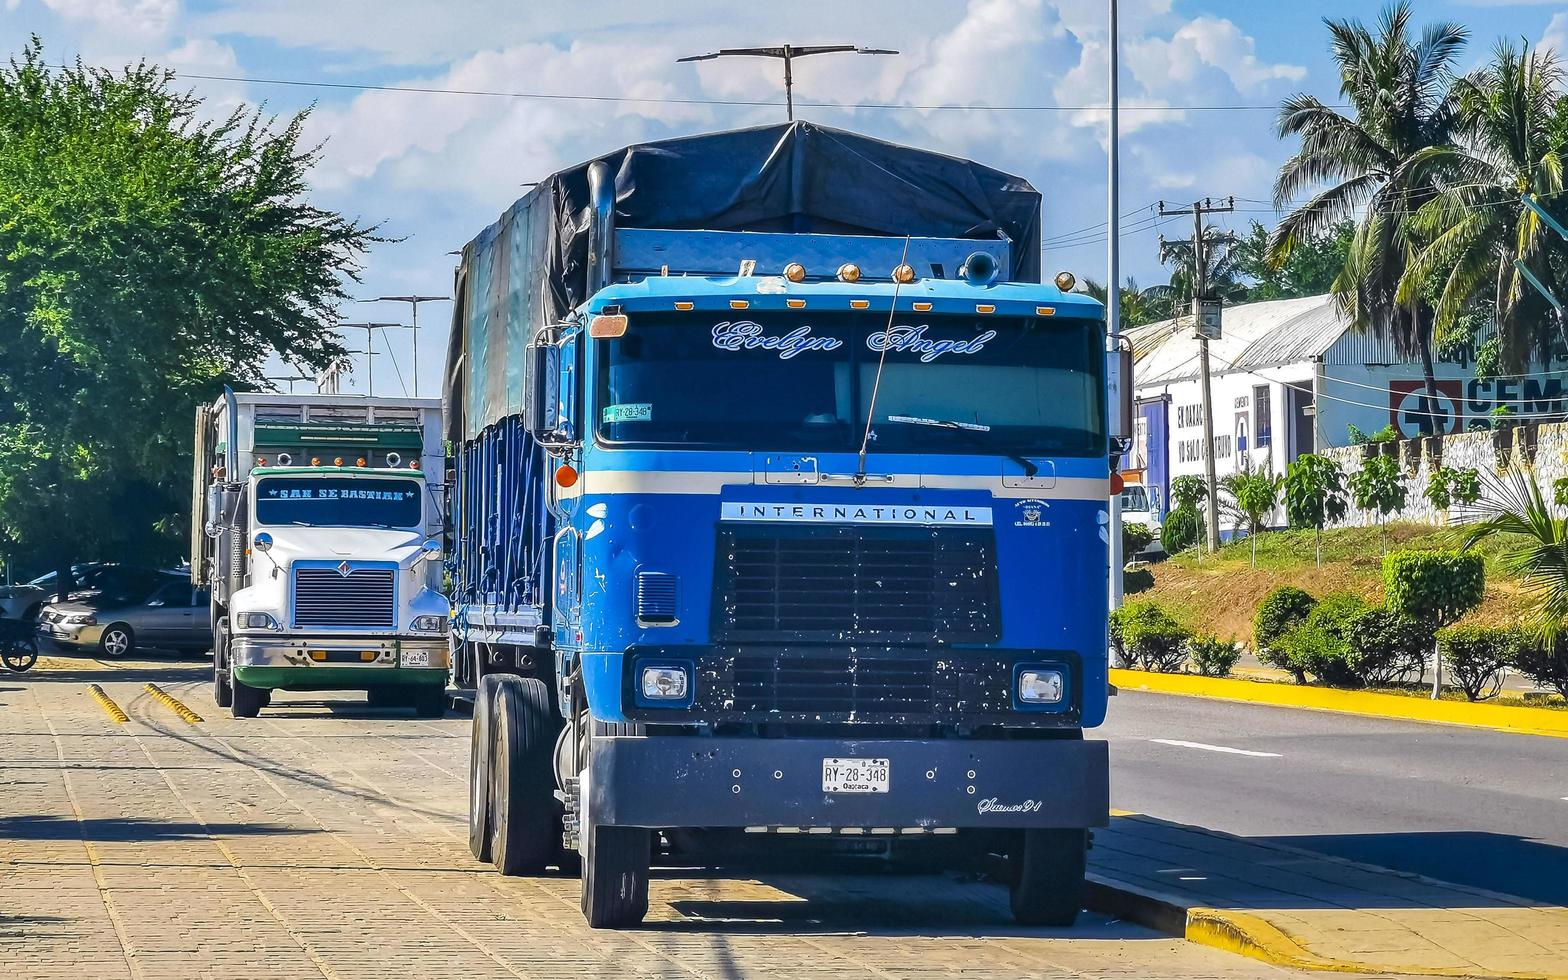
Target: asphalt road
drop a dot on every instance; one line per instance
(1472, 806)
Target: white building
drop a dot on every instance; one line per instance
(1290, 377)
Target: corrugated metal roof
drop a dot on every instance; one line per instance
(1255, 335)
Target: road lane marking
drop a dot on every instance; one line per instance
(105, 702)
(1215, 748)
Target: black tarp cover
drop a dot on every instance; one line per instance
(530, 267)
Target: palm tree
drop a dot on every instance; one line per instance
(1398, 88)
(1137, 306)
(1477, 228)
(1221, 270)
(1519, 513)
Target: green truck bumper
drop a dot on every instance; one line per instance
(337, 678)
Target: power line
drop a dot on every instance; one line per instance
(741, 103)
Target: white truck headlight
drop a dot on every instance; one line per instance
(1040, 685)
(257, 621)
(664, 683)
(429, 624)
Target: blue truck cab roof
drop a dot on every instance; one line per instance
(946, 296)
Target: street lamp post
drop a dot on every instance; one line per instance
(1113, 292)
(786, 53)
(413, 302)
(370, 352)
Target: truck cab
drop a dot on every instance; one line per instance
(323, 553)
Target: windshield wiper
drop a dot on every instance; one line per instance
(970, 430)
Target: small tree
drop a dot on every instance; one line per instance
(1379, 486)
(1281, 611)
(1181, 527)
(1256, 495)
(1188, 491)
(1314, 495)
(1434, 587)
(1447, 486)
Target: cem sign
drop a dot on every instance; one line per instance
(1468, 404)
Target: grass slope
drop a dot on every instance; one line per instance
(1219, 593)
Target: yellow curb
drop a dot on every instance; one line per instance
(1531, 721)
(172, 703)
(1255, 937)
(107, 703)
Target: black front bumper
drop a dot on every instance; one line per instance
(672, 781)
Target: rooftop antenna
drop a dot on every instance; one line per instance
(786, 53)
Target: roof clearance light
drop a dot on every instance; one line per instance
(607, 327)
(740, 304)
(315, 460)
(795, 303)
(413, 464)
(1065, 281)
(683, 305)
(984, 308)
(360, 461)
(337, 461)
(795, 272)
(849, 272)
(922, 306)
(1045, 311)
(860, 304)
(261, 461)
(904, 274)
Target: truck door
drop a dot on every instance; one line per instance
(567, 598)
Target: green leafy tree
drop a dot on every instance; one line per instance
(1138, 306)
(1188, 491)
(1478, 228)
(150, 255)
(1379, 486)
(1221, 273)
(1367, 166)
(1309, 270)
(1314, 495)
(1255, 494)
(1447, 486)
(1434, 588)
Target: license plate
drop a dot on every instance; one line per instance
(854, 775)
(416, 658)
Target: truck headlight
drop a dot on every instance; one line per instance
(257, 621)
(664, 683)
(1040, 685)
(429, 624)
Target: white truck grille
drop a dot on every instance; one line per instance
(361, 598)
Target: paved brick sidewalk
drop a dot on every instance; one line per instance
(1312, 908)
(322, 843)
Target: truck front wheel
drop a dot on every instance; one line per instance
(522, 777)
(221, 694)
(615, 876)
(245, 701)
(1049, 887)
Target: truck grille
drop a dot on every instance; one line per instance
(838, 582)
(835, 685)
(362, 599)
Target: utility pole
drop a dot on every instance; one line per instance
(786, 53)
(1204, 332)
(1113, 312)
(413, 302)
(370, 352)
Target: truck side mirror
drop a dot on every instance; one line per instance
(542, 385)
(1123, 406)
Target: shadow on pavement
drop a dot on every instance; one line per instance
(130, 829)
(1504, 863)
(133, 674)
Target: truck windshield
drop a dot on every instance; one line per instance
(984, 385)
(1135, 498)
(326, 501)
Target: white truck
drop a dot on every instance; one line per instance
(316, 523)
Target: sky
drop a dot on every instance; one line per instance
(1199, 83)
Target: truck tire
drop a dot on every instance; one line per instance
(479, 767)
(246, 701)
(615, 876)
(222, 696)
(522, 777)
(1049, 887)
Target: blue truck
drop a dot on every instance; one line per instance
(779, 518)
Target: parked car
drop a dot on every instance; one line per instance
(25, 599)
(167, 613)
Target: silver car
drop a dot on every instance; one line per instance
(172, 615)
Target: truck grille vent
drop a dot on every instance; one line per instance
(362, 599)
(836, 686)
(895, 585)
(656, 597)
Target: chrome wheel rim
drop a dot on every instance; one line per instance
(116, 643)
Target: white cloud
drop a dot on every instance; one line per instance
(137, 18)
(1556, 36)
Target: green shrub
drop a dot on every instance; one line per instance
(1546, 667)
(1385, 648)
(1379, 486)
(1180, 530)
(1281, 611)
(1435, 587)
(1148, 637)
(1212, 656)
(1135, 538)
(1477, 657)
(1137, 580)
(1324, 649)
